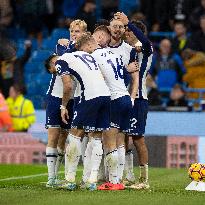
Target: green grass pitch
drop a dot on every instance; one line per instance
(167, 188)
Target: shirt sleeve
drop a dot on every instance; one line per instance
(62, 67)
(152, 70)
(133, 55)
(146, 44)
(61, 49)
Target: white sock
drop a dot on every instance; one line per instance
(87, 162)
(112, 162)
(83, 146)
(101, 172)
(106, 165)
(59, 160)
(66, 159)
(121, 161)
(129, 173)
(97, 152)
(51, 155)
(72, 157)
(144, 172)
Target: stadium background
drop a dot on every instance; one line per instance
(33, 27)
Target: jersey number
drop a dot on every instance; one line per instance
(88, 60)
(118, 70)
(133, 122)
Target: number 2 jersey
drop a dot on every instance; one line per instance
(84, 68)
(112, 69)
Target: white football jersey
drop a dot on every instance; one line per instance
(56, 87)
(83, 67)
(127, 52)
(145, 62)
(111, 66)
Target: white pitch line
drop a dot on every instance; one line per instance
(30, 176)
(26, 177)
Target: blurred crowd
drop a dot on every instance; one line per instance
(176, 29)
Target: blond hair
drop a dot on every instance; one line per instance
(83, 40)
(79, 23)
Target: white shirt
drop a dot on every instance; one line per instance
(145, 64)
(112, 70)
(83, 67)
(55, 88)
(127, 52)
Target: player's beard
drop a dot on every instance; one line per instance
(117, 36)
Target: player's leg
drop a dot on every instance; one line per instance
(86, 163)
(121, 154)
(129, 177)
(111, 153)
(141, 147)
(84, 145)
(103, 173)
(51, 154)
(81, 122)
(125, 105)
(141, 109)
(73, 153)
(53, 121)
(61, 150)
(102, 122)
(95, 159)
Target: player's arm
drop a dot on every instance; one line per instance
(63, 46)
(132, 67)
(134, 85)
(67, 90)
(63, 70)
(146, 44)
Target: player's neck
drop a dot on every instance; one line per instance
(115, 42)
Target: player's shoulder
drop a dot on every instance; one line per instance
(122, 46)
(99, 51)
(126, 45)
(70, 56)
(103, 53)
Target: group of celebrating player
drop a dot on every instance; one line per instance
(97, 96)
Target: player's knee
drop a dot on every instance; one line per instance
(77, 132)
(53, 136)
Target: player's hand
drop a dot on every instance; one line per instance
(133, 67)
(63, 41)
(138, 49)
(64, 115)
(138, 46)
(121, 17)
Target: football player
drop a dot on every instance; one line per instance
(135, 33)
(91, 113)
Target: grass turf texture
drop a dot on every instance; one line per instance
(167, 188)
